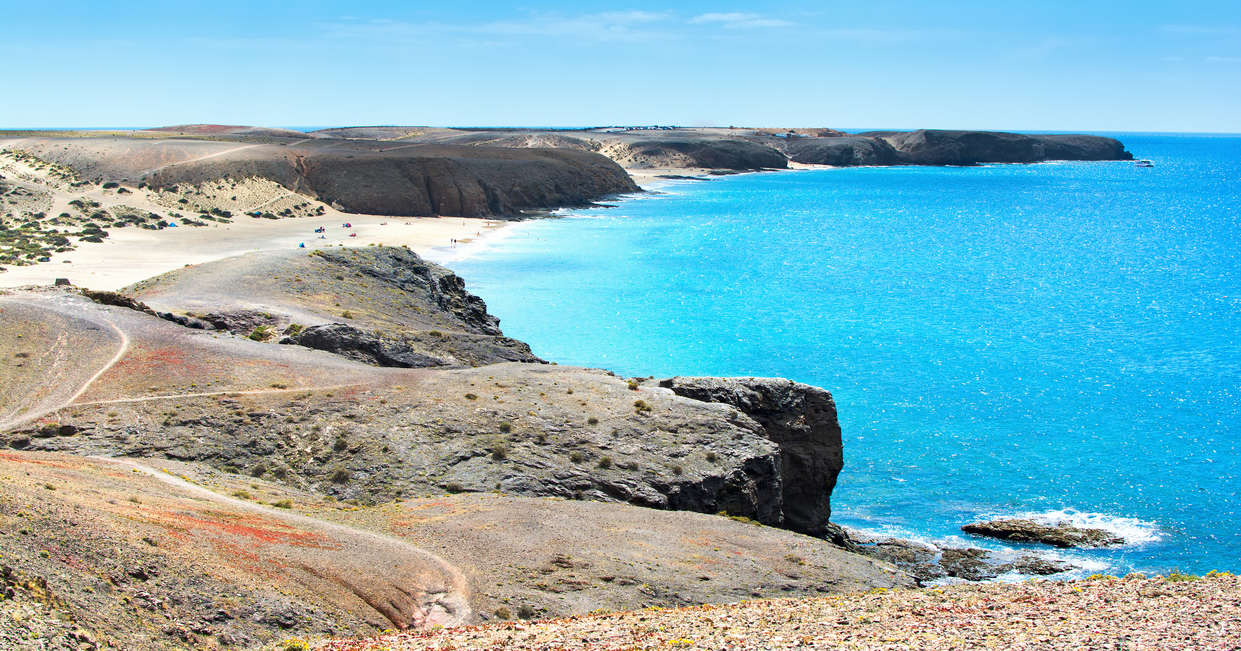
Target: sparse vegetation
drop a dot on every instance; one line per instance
(261, 333)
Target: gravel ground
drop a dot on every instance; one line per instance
(1101, 613)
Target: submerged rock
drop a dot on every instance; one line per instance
(1061, 534)
(926, 562)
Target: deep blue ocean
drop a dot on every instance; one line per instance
(1060, 340)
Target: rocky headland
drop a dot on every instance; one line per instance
(335, 441)
(195, 405)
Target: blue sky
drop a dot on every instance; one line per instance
(1093, 66)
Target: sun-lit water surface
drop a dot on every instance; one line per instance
(1057, 339)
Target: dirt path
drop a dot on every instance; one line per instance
(62, 359)
(238, 392)
(443, 603)
(196, 159)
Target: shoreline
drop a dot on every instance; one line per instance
(130, 255)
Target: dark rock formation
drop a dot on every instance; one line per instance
(727, 154)
(845, 151)
(940, 147)
(748, 149)
(365, 347)
(801, 421)
(404, 270)
(356, 175)
(239, 322)
(417, 350)
(116, 299)
(928, 563)
(1079, 147)
(1061, 534)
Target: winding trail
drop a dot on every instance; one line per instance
(38, 411)
(444, 604)
(124, 348)
(222, 152)
(235, 392)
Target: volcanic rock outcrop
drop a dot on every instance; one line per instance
(801, 421)
(1061, 534)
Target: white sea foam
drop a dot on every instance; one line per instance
(1083, 564)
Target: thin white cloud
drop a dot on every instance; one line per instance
(738, 20)
(605, 26)
(1223, 59)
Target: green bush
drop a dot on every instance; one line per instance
(261, 333)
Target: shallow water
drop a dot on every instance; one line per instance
(1056, 339)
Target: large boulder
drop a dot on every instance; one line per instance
(801, 421)
(1061, 534)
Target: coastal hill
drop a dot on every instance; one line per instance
(353, 175)
(170, 454)
(751, 149)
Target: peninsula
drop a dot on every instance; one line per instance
(250, 413)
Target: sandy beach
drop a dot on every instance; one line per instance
(130, 255)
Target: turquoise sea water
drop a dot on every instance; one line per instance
(1060, 339)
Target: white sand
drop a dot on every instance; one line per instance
(133, 254)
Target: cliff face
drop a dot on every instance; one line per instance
(465, 182)
(727, 154)
(801, 421)
(768, 450)
(842, 151)
(356, 176)
(937, 147)
(750, 149)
